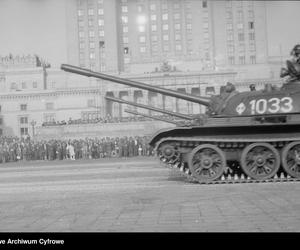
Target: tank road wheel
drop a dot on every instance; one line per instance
(260, 161)
(290, 159)
(168, 153)
(207, 162)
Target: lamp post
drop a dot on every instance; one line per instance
(33, 123)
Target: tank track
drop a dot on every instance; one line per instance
(230, 177)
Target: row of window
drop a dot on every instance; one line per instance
(91, 12)
(241, 60)
(240, 26)
(14, 85)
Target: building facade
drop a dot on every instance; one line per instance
(189, 46)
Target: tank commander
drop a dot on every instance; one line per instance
(293, 65)
(252, 87)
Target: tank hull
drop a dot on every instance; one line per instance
(231, 153)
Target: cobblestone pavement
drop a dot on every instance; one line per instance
(137, 195)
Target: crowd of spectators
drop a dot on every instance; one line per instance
(25, 149)
(106, 119)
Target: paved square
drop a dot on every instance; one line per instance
(137, 195)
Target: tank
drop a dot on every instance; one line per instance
(251, 136)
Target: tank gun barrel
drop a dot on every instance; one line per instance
(86, 72)
(182, 116)
(149, 116)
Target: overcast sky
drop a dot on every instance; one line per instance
(38, 27)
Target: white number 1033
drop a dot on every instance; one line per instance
(273, 105)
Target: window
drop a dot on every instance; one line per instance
(91, 103)
(165, 27)
(251, 36)
(23, 107)
(91, 33)
(229, 26)
(204, 4)
(24, 131)
(142, 39)
(252, 59)
(100, 22)
(81, 34)
(241, 37)
(251, 25)
(177, 26)
(81, 45)
(126, 50)
(140, 8)
(189, 26)
(80, 23)
(231, 60)
(125, 19)
(125, 39)
(152, 7)
(125, 29)
(165, 16)
(23, 120)
(153, 27)
(124, 9)
(92, 55)
(251, 14)
(90, 12)
(24, 85)
(229, 15)
(240, 15)
(100, 12)
(240, 26)
(210, 90)
(153, 17)
(166, 47)
(101, 33)
(142, 49)
(154, 48)
(241, 59)
(126, 60)
(178, 47)
(90, 22)
(92, 45)
(230, 36)
(189, 16)
(80, 12)
(176, 16)
(49, 105)
(230, 49)
(176, 6)
(81, 56)
(141, 28)
(154, 38)
(252, 46)
(177, 37)
(165, 37)
(205, 25)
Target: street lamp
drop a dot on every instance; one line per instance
(33, 123)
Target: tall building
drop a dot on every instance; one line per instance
(135, 36)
